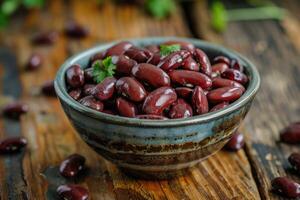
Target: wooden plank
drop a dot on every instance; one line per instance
(51, 137)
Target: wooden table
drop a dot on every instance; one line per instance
(272, 46)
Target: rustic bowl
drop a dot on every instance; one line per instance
(151, 148)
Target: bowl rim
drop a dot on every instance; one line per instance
(249, 94)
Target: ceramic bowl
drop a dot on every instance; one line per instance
(156, 149)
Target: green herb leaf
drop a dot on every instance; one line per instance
(33, 3)
(218, 16)
(168, 49)
(160, 8)
(9, 6)
(103, 69)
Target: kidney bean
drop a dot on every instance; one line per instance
(138, 54)
(91, 102)
(190, 64)
(126, 108)
(72, 192)
(203, 60)
(174, 60)
(294, 160)
(183, 45)
(286, 187)
(15, 110)
(235, 75)
(75, 93)
(221, 82)
(109, 112)
(184, 92)
(123, 64)
(291, 134)
(236, 142)
(186, 78)
(219, 68)
(72, 165)
(34, 62)
(88, 89)
(118, 49)
(151, 74)
(180, 109)
(75, 76)
(153, 48)
(97, 56)
(48, 89)
(88, 75)
(45, 38)
(219, 106)
(131, 88)
(158, 100)
(220, 95)
(155, 58)
(221, 59)
(155, 117)
(235, 64)
(75, 30)
(105, 90)
(199, 101)
(12, 145)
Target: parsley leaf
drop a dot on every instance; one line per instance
(103, 69)
(160, 8)
(168, 49)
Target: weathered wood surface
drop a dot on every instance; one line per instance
(242, 175)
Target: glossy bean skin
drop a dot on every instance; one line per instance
(155, 58)
(199, 101)
(291, 133)
(158, 100)
(219, 106)
(88, 75)
(48, 89)
(235, 64)
(88, 89)
(190, 64)
(15, 110)
(186, 77)
(174, 60)
(219, 68)
(184, 92)
(180, 109)
(153, 48)
(126, 108)
(286, 187)
(235, 75)
(294, 160)
(118, 49)
(75, 30)
(34, 62)
(75, 93)
(91, 102)
(138, 54)
(152, 117)
(221, 59)
(97, 56)
(12, 145)
(105, 89)
(72, 192)
(183, 45)
(235, 143)
(131, 89)
(222, 82)
(123, 64)
(151, 74)
(72, 166)
(202, 59)
(75, 76)
(45, 38)
(228, 94)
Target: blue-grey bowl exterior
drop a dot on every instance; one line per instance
(156, 148)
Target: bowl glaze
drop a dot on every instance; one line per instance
(152, 148)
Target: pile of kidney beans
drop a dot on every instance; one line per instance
(147, 85)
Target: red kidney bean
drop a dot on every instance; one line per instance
(75, 93)
(153, 48)
(88, 75)
(158, 100)
(180, 109)
(235, 64)
(15, 110)
(126, 108)
(34, 62)
(286, 187)
(75, 76)
(105, 89)
(45, 38)
(72, 192)
(186, 78)
(221, 59)
(118, 49)
(131, 88)
(155, 117)
(109, 112)
(12, 145)
(155, 58)
(138, 54)
(220, 95)
(294, 160)
(151, 74)
(123, 64)
(183, 45)
(221, 82)
(219, 68)
(97, 56)
(174, 60)
(88, 89)
(219, 106)
(91, 102)
(291, 134)
(190, 64)
(75, 30)
(235, 75)
(184, 92)
(236, 142)
(48, 89)
(199, 101)
(72, 165)
(203, 60)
